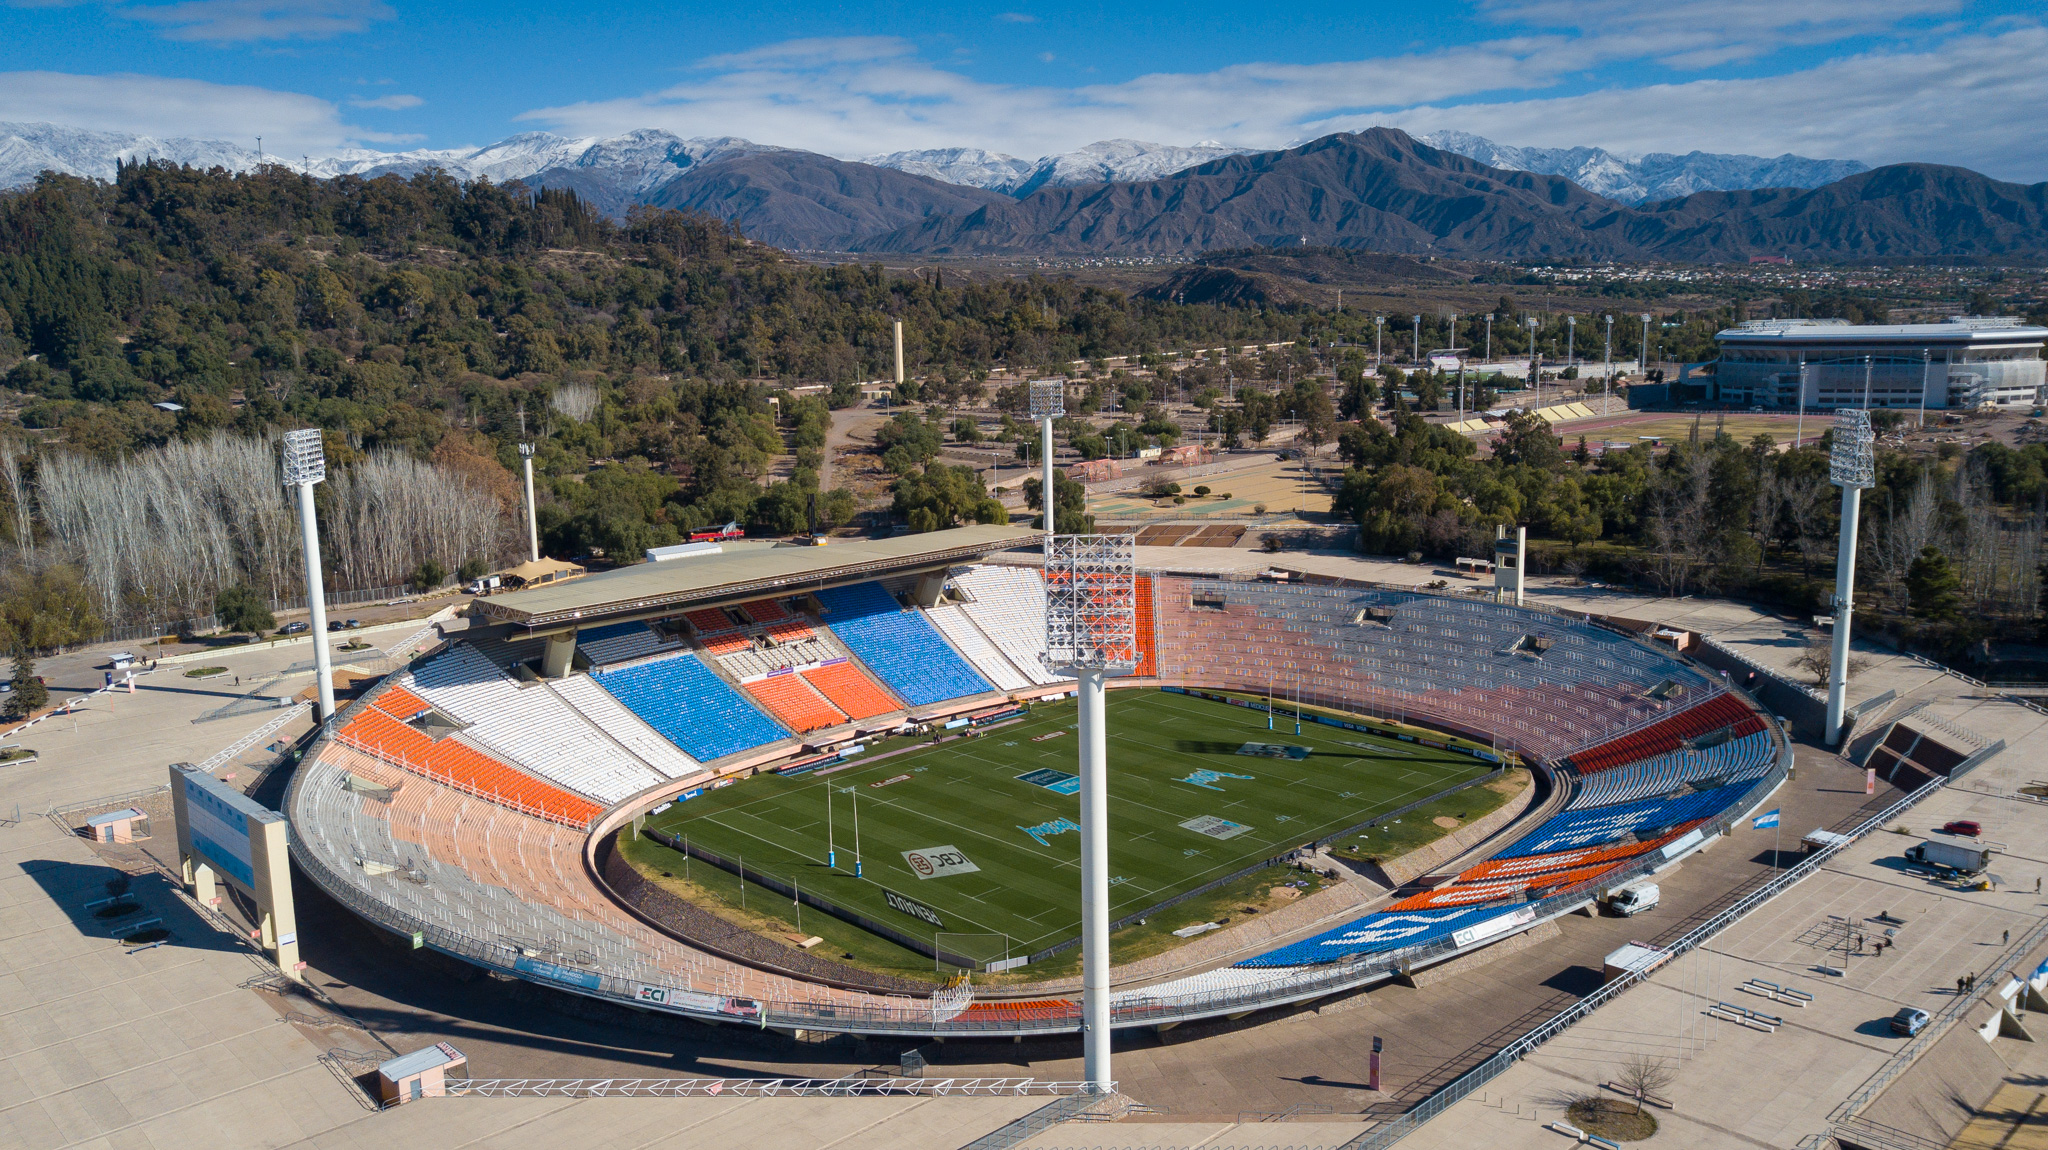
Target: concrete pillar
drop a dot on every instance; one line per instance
(1845, 594)
(316, 601)
(1094, 879)
(1045, 498)
(555, 662)
(930, 587)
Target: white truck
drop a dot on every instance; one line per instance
(1634, 900)
(1965, 860)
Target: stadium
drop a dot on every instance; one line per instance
(864, 740)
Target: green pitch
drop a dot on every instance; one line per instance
(1189, 802)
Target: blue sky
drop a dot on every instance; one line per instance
(1953, 81)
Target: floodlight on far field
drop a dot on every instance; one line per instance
(1850, 464)
(1091, 602)
(304, 459)
(1048, 398)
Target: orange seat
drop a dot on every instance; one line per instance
(1148, 657)
(851, 691)
(401, 703)
(709, 620)
(765, 611)
(462, 766)
(790, 700)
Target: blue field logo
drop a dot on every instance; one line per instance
(1055, 827)
(1274, 751)
(1058, 782)
(1208, 779)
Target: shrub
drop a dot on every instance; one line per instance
(1201, 491)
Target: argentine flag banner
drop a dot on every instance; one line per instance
(1767, 819)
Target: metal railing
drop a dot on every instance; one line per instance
(229, 752)
(1386, 1135)
(766, 1087)
(1905, 1057)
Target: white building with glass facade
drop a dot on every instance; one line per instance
(1966, 363)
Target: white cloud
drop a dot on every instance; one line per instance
(243, 20)
(865, 95)
(1969, 102)
(158, 106)
(1016, 18)
(392, 103)
(1704, 33)
(1942, 96)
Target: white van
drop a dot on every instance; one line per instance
(1631, 901)
(121, 660)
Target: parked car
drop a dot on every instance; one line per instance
(1909, 1021)
(334, 624)
(298, 628)
(121, 660)
(354, 623)
(1967, 827)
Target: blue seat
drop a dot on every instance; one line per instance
(900, 646)
(1375, 933)
(1596, 825)
(691, 707)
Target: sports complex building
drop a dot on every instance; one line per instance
(769, 711)
(1965, 363)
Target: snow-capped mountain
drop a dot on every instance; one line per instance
(1656, 176)
(1105, 161)
(630, 164)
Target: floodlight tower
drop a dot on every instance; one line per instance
(1571, 340)
(1048, 402)
(1849, 468)
(1418, 339)
(1607, 374)
(1535, 362)
(1091, 632)
(1489, 337)
(305, 463)
(1643, 355)
(1379, 328)
(532, 520)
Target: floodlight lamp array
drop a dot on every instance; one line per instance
(305, 461)
(1850, 462)
(1091, 602)
(1048, 398)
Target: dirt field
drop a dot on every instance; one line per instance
(1283, 485)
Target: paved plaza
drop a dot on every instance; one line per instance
(190, 1044)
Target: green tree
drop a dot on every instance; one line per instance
(1933, 589)
(29, 694)
(1070, 502)
(942, 496)
(241, 609)
(429, 575)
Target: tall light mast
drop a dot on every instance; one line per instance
(1091, 632)
(1489, 337)
(1379, 328)
(305, 463)
(1851, 468)
(532, 519)
(1643, 355)
(1607, 376)
(1418, 341)
(1048, 403)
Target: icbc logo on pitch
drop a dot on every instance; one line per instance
(931, 862)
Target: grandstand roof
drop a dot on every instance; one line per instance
(737, 571)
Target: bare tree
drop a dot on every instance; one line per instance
(160, 535)
(1645, 1077)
